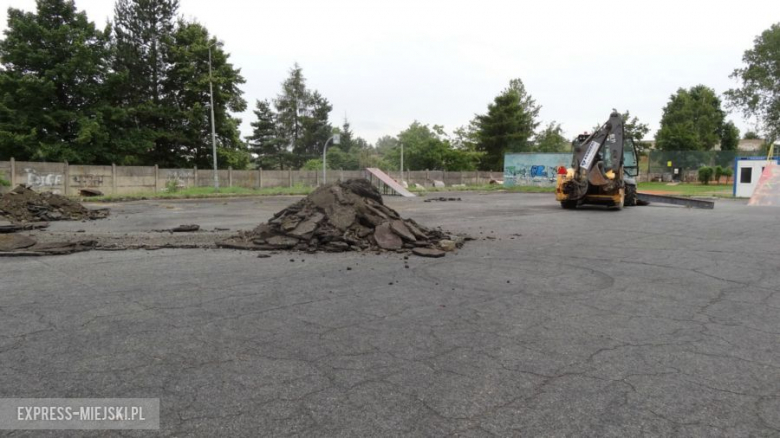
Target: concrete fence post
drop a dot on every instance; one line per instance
(194, 176)
(156, 177)
(427, 175)
(461, 177)
(230, 176)
(66, 173)
(113, 179)
(289, 176)
(13, 173)
(478, 177)
(317, 179)
(259, 178)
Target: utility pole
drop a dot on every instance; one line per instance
(213, 130)
(402, 164)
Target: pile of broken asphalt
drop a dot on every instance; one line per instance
(23, 204)
(345, 216)
(24, 209)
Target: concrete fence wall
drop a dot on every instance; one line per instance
(122, 180)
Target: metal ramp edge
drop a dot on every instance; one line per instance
(386, 184)
(686, 202)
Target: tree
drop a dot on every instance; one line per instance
(692, 120)
(346, 142)
(428, 147)
(162, 88)
(551, 139)
(143, 33)
(636, 131)
(51, 101)
(316, 128)
(759, 94)
(186, 87)
(751, 135)
(730, 137)
(302, 117)
(270, 150)
(508, 126)
(338, 159)
(385, 144)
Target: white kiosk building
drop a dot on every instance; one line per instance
(747, 172)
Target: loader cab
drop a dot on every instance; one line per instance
(630, 158)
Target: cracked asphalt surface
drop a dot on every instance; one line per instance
(656, 321)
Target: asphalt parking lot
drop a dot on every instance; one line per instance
(656, 320)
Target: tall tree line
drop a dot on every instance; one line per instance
(136, 92)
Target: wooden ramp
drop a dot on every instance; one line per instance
(767, 192)
(385, 184)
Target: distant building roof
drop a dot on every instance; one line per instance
(750, 145)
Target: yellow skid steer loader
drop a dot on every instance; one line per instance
(604, 169)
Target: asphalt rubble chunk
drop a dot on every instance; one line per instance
(22, 205)
(20, 245)
(344, 216)
(441, 199)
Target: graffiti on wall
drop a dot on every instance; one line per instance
(87, 180)
(534, 169)
(179, 178)
(41, 180)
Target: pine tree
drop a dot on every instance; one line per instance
(291, 105)
(302, 118)
(143, 33)
(347, 142)
(53, 68)
(264, 142)
(316, 128)
(508, 125)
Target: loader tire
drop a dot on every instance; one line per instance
(619, 205)
(568, 205)
(630, 199)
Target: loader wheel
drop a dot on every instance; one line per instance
(568, 205)
(630, 200)
(619, 205)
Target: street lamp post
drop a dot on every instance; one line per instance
(213, 129)
(336, 140)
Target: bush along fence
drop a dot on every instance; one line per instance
(69, 179)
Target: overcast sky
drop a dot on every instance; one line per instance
(384, 64)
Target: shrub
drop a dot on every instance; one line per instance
(172, 186)
(728, 173)
(313, 164)
(718, 173)
(5, 183)
(705, 174)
